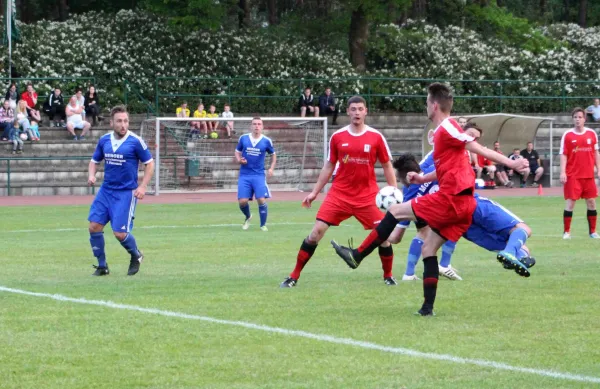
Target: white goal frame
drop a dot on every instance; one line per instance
(301, 120)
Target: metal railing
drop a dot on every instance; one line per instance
(130, 88)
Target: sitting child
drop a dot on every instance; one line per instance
(15, 137)
(35, 130)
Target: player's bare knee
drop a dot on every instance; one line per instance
(385, 244)
(591, 204)
(120, 235)
(402, 211)
(317, 232)
(396, 236)
(95, 227)
(243, 202)
(524, 227)
(261, 201)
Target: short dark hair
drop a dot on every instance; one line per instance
(497, 142)
(530, 142)
(357, 100)
(118, 109)
(473, 125)
(256, 118)
(406, 163)
(227, 105)
(78, 90)
(577, 109)
(441, 94)
(516, 149)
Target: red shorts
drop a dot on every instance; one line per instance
(333, 211)
(450, 216)
(580, 188)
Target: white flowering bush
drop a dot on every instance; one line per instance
(138, 47)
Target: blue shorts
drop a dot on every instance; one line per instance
(249, 186)
(491, 225)
(114, 206)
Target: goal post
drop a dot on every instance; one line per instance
(196, 154)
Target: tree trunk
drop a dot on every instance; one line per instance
(542, 8)
(359, 32)
(500, 3)
(272, 11)
(419, 9)
(566, 11)
(244, 13)
(63, 10)
(581, 19)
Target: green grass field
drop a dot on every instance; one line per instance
(200, 262)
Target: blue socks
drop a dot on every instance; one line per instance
(97, 243)
(414, 253)
(516, 240)
(263, 211)
(522, 254)
(130, 245)
(245, 210)
(447, 251)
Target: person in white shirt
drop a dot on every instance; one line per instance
(75, 119)
(227, 114)
(80, 101)
(594, 111)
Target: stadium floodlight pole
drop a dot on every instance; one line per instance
(157, 159)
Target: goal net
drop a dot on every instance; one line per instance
(197, 154)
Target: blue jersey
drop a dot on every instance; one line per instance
(121, 160)
(255, 151)
(417, 190)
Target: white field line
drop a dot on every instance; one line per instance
(320, 337)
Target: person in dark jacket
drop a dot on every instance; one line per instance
(12, 95)
(92, 104)
(306, 103)
(55, 106)
(327, 105)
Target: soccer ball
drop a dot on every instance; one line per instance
(388, 196)
(214, 135)
(23, 136)
(479, 183)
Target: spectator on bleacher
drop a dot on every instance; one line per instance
(12, 95)
(92, 104)
(200, 112)
(472, 156)
(35, 130)
(228, 124)
(306, 103)
(75, 119)
(328, 106)
(525, 173)
(55, 106)
(462, 121)
(182, 111)
(212, 113)
(7, 117)
(80, 101)
(501, 169)
(535, 164)
(593, 111)
(488, 169)
(15, 138)
(23, 118)
(30, 96)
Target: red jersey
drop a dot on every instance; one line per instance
(454, 172)
(580, 149)
(482, 161)
(27, 97)
(354, 156)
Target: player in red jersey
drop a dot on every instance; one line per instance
(448, 212)
(578, 156)
(355, 149)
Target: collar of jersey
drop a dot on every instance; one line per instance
(255, 141)
(365, 129)
(115, 143)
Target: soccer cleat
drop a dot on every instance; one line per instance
(246, 224)
(567, 235)
(289, 282)
(346, 253)
(529, 262)
(507, 259)
(449, 273)
(134, 264)
(594, 235)
(425, 312)
(410, 278)
(390, 281)
(264, 228)
(101, 271)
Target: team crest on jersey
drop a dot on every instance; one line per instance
(367, 148)
(589, 141)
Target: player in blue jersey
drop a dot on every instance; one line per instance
(403, 165)
(250, 153)
(115, 202)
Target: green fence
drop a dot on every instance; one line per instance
(247, 95)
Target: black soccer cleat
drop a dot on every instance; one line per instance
(346, 253)
(425, 312)
(289, 282)
(134, 264)
(101, 271)
(529, 262)
(509, 261)
(390, 281)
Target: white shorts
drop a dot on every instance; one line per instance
(79, 124)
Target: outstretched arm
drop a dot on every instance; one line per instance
(324, 177)
(516, 164)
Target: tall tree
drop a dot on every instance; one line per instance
(272, 12)
(582, 17)
(359, 33)
(244, 19)
(190, 14)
